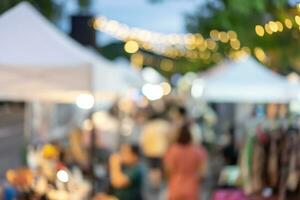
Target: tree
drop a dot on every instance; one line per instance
(52, 9)
(242, 17)
(49, 8)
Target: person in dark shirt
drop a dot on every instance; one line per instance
(229, 151)
(126, 173)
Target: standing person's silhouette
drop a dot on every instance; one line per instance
(184, 164)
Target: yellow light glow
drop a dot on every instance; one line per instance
(223, 37)
(273, 26)
(203, 46)
(166, 88)
(280, 26)
(268, 29)
(235, 44)
(216, 57)
(199, 39)
(298, 7)
(131, 46)
(97, 23)
(166, 65)
(214, 34)
(297, 19)
(260, 54)
(211, 44)
(147, 46)
(232, 35)
(288, 23)
(205, 55)
(247, 50)
(137, 60)
(260, 31)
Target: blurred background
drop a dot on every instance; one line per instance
(103, 99)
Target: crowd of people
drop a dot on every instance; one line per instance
(145, 154)
(160, 154)
(166, 151)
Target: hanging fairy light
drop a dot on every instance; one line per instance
(85, 101)
(260, 54)
(278, 26)
(131, 46)
(192, 46)
(260, 31)
(288, 23)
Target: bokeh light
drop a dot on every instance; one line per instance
(131, 46)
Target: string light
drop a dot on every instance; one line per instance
(277, 26)
(166, 65)
(232, 35)
(131, 46)
(170, 45)
(260, 54)
(137, 60)
(260, 31)
(268, 29)
(273, 26)
(297, 19)
(223, 37)
(214, 34)
(288, 23)
(235, 44)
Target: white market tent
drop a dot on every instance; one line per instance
(244, 81)
(38, 62)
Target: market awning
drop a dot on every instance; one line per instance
(38, 62)
(244, 80)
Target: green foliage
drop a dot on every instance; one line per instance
(50, 8)
(47, 7)
(242, 16)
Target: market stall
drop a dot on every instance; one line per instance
(38, 62)
(244, 81)
(259, 136)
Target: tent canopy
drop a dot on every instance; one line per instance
(38, 62)
(245, 80)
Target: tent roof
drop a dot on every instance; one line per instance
(27, 38)
(38, 62)
(245, 80)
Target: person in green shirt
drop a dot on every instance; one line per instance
(126, 173)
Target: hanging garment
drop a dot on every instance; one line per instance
(272, 170)
(246, 164)
(293, 174)
(257, 167)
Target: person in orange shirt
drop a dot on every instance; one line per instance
(184, 163)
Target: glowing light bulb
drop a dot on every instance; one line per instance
(288, 23)
(260, 31)
(197, 88)
(85, 101)
(152, 91)
(166, 88)
(260, 54)
(62, 176)
(131, 46)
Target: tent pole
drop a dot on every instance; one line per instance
(27, 122)
(93, 138)
(93, 156)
